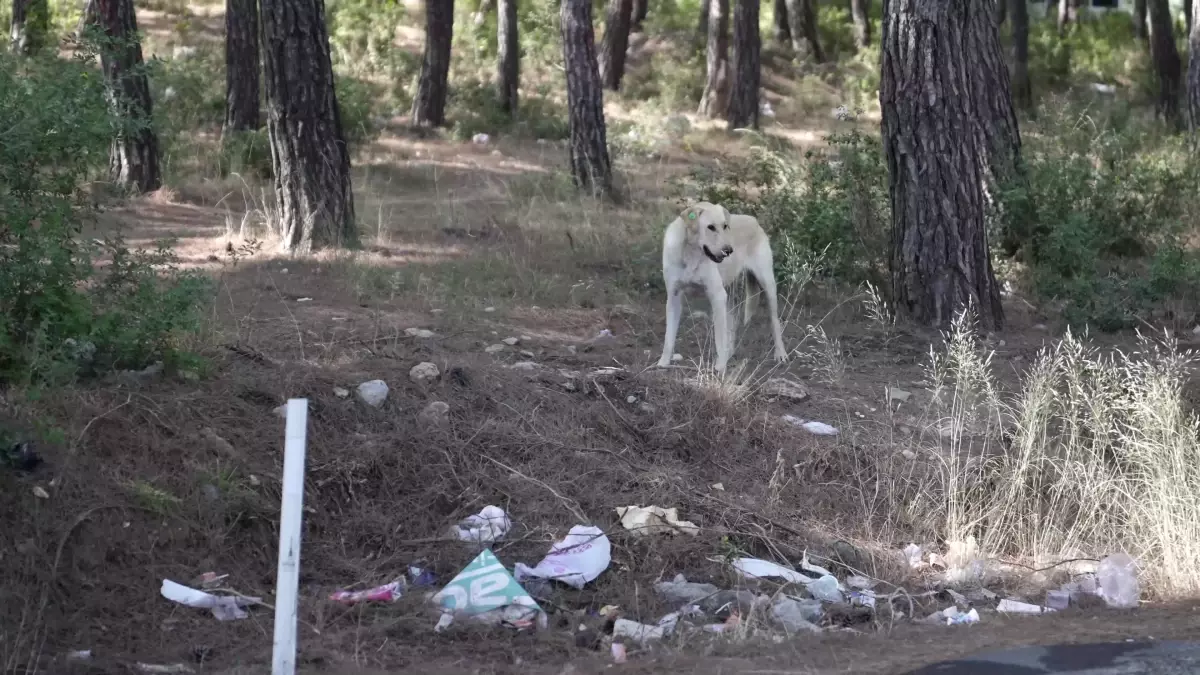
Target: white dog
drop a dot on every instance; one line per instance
(706, 246)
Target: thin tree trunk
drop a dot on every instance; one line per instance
(783, 30)
(802, 16)
(616, 43)
(429, 104)
(1139, 19)
(715, 100)
(641, 9)
(940, 262)
(508, 65)
(242, 63)
(1187, 15)
(747, 47)
(1165, 56)
(133, 156)
(1193, 79)
(702, 25)
(308, 149)
(1022, 88)
(860, 13)
(30, 25)
(1066, 16)
(590, 164)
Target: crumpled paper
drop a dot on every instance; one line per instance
(485, 527)
(647, 520)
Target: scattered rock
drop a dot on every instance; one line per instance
(281, 411)
(511, 341)
(424, 372)
(373, 392)
(492, 349)
(782, 387)
(527, 354)
(571, 349)
(436, 414)
(677, 357)
(524, 365)
(631, 399)
(898, 395)
(40, 492)
(699, 315)
(489, 309)
(525, 338)
(436, 311)
(341, 392)
(217, 442)
(419, 332)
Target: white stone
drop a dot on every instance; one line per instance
(524, 365)
(511, 341)
(424, 372)
(341, 392)
(492, 349)
(419, 332)
(783, 387)
(373, 392)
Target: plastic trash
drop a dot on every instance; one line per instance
(862, 598)
(797, 616)
(723, 604)
(487, 526)
(755, 568)
(579, 558)
(1059, 599)
(389, 592)
(1118, 582)
(680, 591)
(648, 520)
(815, 428)
(913, 554)
(1014, 607)
(642, 633)
(825, 589)
(223, 607)
(480, 139)
(952, 616)
(486, 592)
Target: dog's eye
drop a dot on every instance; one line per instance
(713, 228)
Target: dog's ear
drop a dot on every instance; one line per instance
(690, 215)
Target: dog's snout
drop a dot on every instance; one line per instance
(727, 250)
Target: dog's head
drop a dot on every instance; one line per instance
(708, 227)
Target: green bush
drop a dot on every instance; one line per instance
(61, 314)
(473, 109)
(833, 205)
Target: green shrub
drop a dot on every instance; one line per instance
(59, 313)
(473, 109)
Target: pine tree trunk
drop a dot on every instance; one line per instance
(308, 149)
(241, 66)
(616, 43)
(702, 25)
(1193, 79)
(940, 262)
(747, 46)
(1187, 15)
(508, 66)
(641, 9)
(133, 157)
(715, 100)
(783, 30)
(1022, 88)
(590, 164)
(860, 13)
(1139, 19)
(991, 93)
(802, 16)
(1165, 56)
(429, 104)
(29, 26)
(1002, 12)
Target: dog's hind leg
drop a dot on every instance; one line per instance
(674, 310)
(763, 269)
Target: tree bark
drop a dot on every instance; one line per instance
(242, 110)
(1193, 79)
(641, 9)
(991, 93)
(1165, 56)
(702, 25)
(616, 43)
(1002, 12)
(133, 156)
(429, 104)
(783, 30)
(1139, 19)
(802, 17)
(715, 100)
(29, 26)
(747, 48)
(1022, 88)
(308, 149)
(860, 13)
(590, 164)
(940, 262)
(1188, 16)
(508, 65)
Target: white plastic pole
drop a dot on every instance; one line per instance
(287, 581)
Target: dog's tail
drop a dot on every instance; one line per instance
(750, 301)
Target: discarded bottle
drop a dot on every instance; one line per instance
(1117, 577)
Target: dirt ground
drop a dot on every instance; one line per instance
(174, 475)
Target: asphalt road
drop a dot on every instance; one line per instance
(1110, 658)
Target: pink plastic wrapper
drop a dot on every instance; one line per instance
(385, 593)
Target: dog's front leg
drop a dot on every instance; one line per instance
(718, 300)
(674, 310)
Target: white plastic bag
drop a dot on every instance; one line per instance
(1117, 577)
(580, 557)
(485, 527)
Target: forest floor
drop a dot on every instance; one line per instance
(171, 477)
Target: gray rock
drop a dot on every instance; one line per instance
(424, 372)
